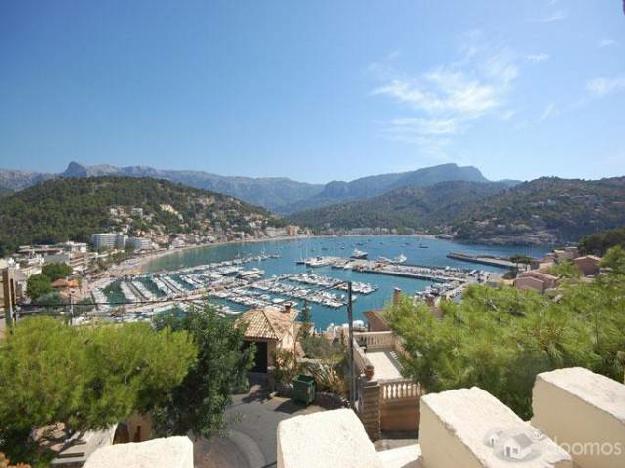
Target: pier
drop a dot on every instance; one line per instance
(499, 262)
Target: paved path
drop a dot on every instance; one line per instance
(251, 439)
(386, 367)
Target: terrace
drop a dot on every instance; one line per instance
(387, 402)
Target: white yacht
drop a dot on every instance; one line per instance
(359, 254)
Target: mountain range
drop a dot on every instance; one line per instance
(447, 198)
(278, 194)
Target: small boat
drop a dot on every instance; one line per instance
(401, 258)
(359, 254)
(423, 246)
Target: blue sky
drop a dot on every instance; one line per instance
(318, 90)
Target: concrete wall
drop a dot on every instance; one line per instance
(456, 425)
(587, 265)
(470, 428)
(400, 415)
(327, 439)
(171, 452)
(585, 413)
(529, 282)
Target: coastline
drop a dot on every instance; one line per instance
(138, 265)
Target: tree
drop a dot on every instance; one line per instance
(85, 377)
(615, 260)
(523, 259)
(306, 319)
(599, 243)
(499, 339)
(199, 402)
(55, 271)
(38, 285)
(565, 269)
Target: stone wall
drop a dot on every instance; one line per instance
(585, 413)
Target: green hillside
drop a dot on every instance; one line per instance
(63, 209)
(549, 208)
(407, 207)
(546, 210)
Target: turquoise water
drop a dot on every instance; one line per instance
(342, 246)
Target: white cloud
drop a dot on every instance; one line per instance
(443, 91)
(445, 99)
(537, 58)
(550, 111)
(602, 86)
(606, 43)
(558, 15)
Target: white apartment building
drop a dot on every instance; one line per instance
(109, 240)
(140, 243)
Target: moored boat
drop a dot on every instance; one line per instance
(359, 255)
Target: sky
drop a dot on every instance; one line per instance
(317, 90)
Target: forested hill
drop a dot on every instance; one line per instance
(419, 208)
(549, 209)
(62, 209)
(546, 210)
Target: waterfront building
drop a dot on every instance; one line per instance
(536, 280)
(275, 232)
(588, 265)
(140, 243)
(109, 240)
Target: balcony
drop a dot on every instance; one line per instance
(387, 402)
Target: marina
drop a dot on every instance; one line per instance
(237, 277)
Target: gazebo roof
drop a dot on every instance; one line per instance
(269, 323)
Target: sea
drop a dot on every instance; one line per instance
(425, 251)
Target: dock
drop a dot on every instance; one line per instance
(490, 260)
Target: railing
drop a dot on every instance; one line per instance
(398, 389)
(360, 357)
(375, 340)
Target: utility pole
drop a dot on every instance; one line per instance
(10, 302)
(71, 309)
(350, 320)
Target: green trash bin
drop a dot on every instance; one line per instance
(304, 389)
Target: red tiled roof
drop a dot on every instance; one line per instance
(269, 323)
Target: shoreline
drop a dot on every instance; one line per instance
(138, 265)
